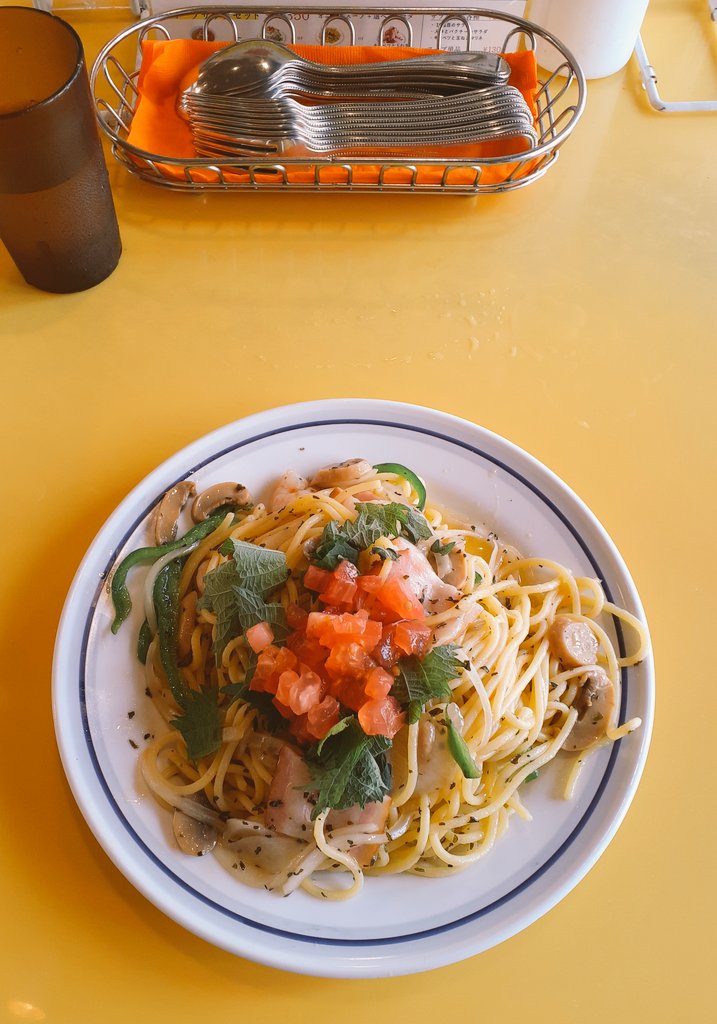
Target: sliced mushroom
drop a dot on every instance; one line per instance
(187, 622)
(228, 493)
(309, 546)
(193, 837)
(342, 474)
(435, 763)
(594, 703)
(166, 516)
(573, 643)
(453, 568)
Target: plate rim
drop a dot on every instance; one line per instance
(294, 416)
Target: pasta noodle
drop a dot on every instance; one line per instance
(530, 670)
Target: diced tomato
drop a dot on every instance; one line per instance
(285, 660)
(265, 670)
(381, 717)
(346, 571)
(307, 692)
(286, 684)
(347, 666)
(383, 614)
(342, 588)
(369, 583)
(399, 598)
(362, 600)
(378, 683)
(347, 661)
(350, 692)
(344, 628)
(359, 626)
(296, 617)
(316, 623)
(387, 652)
(267, 685)
(348, 624)
(308, 650)
(339, 592)
(300, 690)
(322, 717)
(270, 664)
(266, 660)
(317, 579)
(372, 635)
(412, 637)
(260, 637)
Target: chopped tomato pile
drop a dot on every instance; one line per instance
(343, 655)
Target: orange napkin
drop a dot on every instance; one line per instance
(169, 66)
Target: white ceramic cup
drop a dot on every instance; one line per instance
(601, 34)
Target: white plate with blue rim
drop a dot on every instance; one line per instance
(398, 924)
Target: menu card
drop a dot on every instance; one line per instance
(371, 28)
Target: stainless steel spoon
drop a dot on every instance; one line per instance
(252, 66)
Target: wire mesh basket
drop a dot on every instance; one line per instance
(560, 101)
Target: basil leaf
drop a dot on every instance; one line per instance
(389, 520)
(334, 548)
(413, 711)
(200, 722)
(260, 569)
(344, 723)
(351, 769)
(442, 549)
(251, 610)
(372, 521)
(235, 592)
(384, 553)
(421, 680)
(220, 597)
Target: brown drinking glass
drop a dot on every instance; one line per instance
(57, 218)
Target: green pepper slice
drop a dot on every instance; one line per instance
(407, 474)
(460, 753)
(144, 639)
(146, 556)
(166, 605)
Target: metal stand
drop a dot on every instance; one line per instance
(649, 81)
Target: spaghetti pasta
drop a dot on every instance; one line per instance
(363, 688)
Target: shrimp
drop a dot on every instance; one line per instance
(289, 486)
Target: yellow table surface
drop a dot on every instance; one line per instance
(577, 318)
